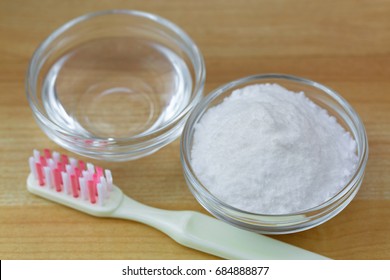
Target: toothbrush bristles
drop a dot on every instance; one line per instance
(33, 170)
(75, 187)
(47, 153)
(70, 176)
(38, 167)
(64, 159)
(57, 179)
(92, 193)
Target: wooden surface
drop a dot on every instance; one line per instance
(343, 44)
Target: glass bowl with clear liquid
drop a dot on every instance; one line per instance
(115, 85)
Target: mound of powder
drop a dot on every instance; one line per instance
(268, 150)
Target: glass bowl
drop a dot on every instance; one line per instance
(115, 85)
(283, 223)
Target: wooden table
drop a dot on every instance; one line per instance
(343, 44)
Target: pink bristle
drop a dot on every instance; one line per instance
(95, 178)
(95, 182)
(42, 160)
(91, 189)
(99, 171)
(57, 179)
(47, 153)
(41, 180)
(77, 172)
(61, 166)
(81, 165)
(64, 159)
(75, 186)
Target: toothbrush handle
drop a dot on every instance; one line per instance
(207, 234)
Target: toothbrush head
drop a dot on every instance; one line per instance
(74, 183)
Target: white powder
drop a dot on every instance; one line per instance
(268, 150)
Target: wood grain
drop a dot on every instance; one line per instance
(343, 44)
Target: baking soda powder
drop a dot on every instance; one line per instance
(268, 150)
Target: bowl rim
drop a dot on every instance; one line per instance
(197, 91)
(201, 108)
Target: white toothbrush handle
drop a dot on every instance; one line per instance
(207, 234)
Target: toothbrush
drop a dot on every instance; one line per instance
(90, 189)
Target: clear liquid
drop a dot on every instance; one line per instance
(116, 88)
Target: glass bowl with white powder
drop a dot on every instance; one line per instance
(274, 153)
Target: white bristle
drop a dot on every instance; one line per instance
(33, 170)
(46, 172)
(56, 157)
(101, 194)
(66, 182)
(37, 156)
(109, 179)
(53, 181)
(103, 182)
(86, 175)
(69, 169)
(51, 163)
(90, 168)
(73, 162)
(83, 188)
